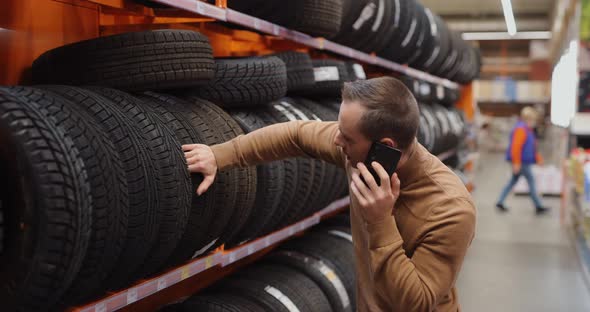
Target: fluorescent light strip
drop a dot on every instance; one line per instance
(509, 17)
(524, 35)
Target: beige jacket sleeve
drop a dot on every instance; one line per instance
(279, 141)
(420, 282)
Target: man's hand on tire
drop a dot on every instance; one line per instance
(200, 159)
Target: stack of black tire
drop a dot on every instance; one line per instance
(312, 273)
(408, 33)
(96, 190)
(402, 31)
(442, 127)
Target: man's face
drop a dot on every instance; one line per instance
(354, 144)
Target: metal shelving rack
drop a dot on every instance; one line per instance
(200, 272)
(220, 12)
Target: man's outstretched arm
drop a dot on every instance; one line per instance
(284, 140)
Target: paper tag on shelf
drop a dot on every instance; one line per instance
(131, 295)
(266, 241)
(250, 249)
(184, 274)
(327, 73)
(101, 307)
(200, 7)
(350, 52)
(208, 262)
(161, 284)
(256, 24)
(276, 30)
(232, 257)
(291, 231)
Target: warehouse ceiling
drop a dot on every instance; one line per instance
(482, 16)
(500, 57)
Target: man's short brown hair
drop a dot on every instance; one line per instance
(392, 110)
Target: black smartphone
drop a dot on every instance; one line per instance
(385, 155)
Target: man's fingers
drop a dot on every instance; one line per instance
(196, 167)
(190, 153)
(192, 160)
(357, 194)
(361, 187)
(367, 176)
(189, 147)
(204, 186)
(385, 180)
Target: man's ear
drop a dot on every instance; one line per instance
(389, 142)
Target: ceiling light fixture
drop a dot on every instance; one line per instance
(523, 35)
(509, 17)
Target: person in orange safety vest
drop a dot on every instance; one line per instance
(522, 154)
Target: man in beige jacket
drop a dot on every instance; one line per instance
(410, 233)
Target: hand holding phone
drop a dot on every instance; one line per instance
(387, 156)
(377, 200)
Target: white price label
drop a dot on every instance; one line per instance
(101, 307)
(250, 249)
(161, 284)
(200, 7)
(131, 295)
(276, 30)
(256, 24)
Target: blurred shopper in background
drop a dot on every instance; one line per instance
(522, 154)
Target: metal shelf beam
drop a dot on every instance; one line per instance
(235, 17)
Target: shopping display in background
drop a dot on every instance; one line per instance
(548, 179)
(585, 21)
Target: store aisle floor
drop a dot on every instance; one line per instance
(518, 261)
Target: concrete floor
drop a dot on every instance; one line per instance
(518, 261)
